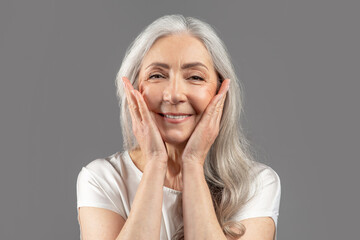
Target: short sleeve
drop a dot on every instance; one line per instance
(97, 187)
(266, 193)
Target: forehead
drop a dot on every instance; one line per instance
(176, 50)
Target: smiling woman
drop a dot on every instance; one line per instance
(186, 171)
(177, 90)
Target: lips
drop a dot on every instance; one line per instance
(176, 114)
(175, 117)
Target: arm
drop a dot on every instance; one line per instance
(200, 220)
(199, 216)
(259, 228)
(144, 221)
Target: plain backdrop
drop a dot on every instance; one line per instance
(299, 64)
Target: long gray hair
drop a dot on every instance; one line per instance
(227, 165)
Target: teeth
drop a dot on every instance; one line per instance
(176, 117)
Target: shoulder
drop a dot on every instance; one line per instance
(266, 185)
(265, 193)
(103, 168)
(264, 174)
(99, 166)
(100, 184)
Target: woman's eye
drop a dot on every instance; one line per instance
(197, 78)
(156, 76)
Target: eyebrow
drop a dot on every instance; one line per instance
(184, 66)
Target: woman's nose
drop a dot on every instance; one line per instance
(174, 91)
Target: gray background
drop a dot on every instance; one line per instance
(298, 60)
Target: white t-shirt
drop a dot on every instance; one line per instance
(112, 182)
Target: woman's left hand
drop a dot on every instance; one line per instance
(207, 129)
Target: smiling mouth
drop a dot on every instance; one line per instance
(175, 117)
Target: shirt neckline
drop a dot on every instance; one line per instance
(140, 173)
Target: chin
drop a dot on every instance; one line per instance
(175, 140)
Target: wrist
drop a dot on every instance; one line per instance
(156, 163)
(193, 166)
(193, 160)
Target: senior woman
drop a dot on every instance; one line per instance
(186, 171)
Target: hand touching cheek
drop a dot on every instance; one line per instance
(207, 129)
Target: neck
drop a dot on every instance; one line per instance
(174, 152)
(174, 158)
(174, 166)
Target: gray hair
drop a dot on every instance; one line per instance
(227, 165)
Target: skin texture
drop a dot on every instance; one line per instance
(176, 90)
(172, 154)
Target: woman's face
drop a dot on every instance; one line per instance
(177, 79)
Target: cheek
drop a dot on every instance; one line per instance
(152, 95)
(198, 97)
(201, 100)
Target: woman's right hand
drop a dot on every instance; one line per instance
(144, 128)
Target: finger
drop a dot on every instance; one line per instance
(128, 83)
(223, 94)
(220, 111)
(215, 119)
(213, 116)
(132, 102)
(224, 87)
(143, 109)
(216, 101)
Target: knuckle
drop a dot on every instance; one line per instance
(135, 130)
(132, 106)
(208, 113)
(218, 109)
